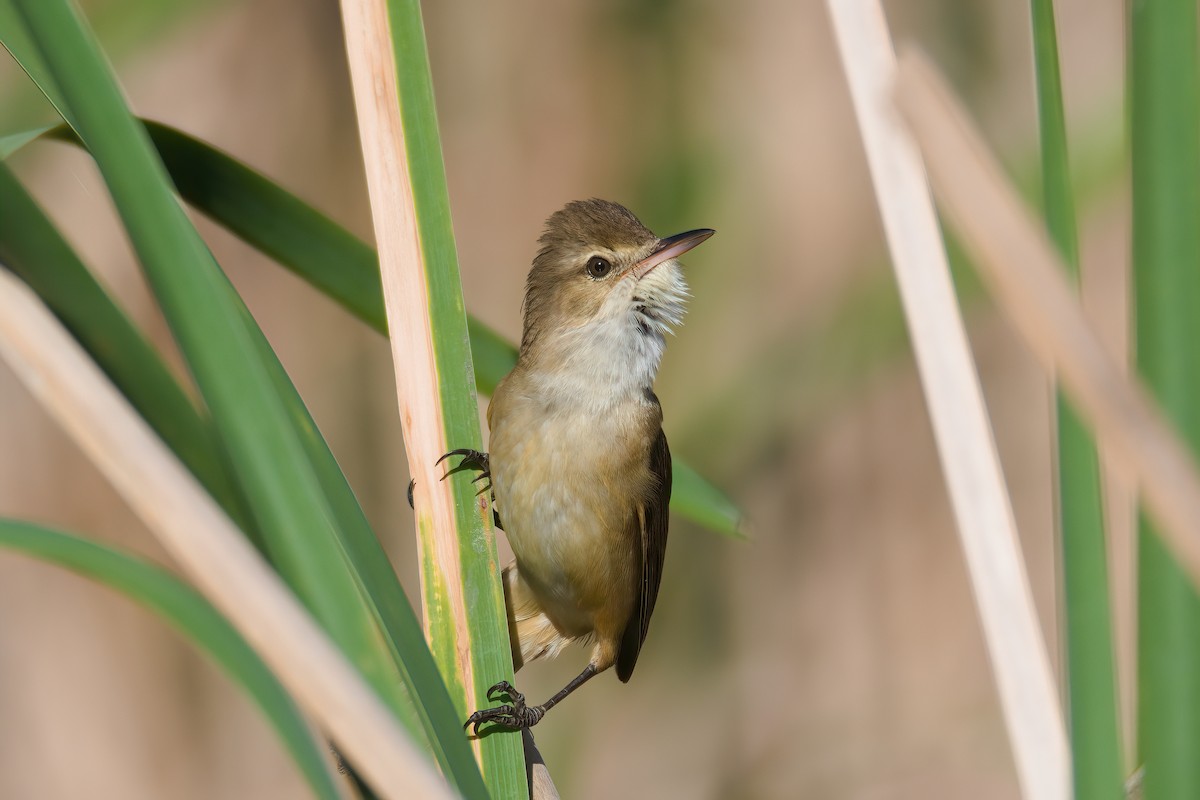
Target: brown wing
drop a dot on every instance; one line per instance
(651, 519)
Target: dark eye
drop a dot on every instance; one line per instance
(598, 267)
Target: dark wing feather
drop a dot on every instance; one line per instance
(652, 520)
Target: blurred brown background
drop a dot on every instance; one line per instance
(836, 654)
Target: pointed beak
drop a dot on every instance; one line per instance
(668, 248)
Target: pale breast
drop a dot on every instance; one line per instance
(567, 483)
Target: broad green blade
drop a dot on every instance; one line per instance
(465, 617)
(34, 250)
(701, 502)
(275, 222)
(224, 355)
(30, 245)
(1091, 673)
(14, 37)
(373, 571)
(15, 141)
(191, 615)
(1164, 93)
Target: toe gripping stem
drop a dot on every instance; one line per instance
(514, 715)
(519, 715)
(471, 459)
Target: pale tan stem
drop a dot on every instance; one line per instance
(541, 785)
(1025, 680)
(405, 293)
(1024, 273)
(207, 545)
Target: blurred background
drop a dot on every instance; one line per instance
(836, 652)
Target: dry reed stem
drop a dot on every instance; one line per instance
(541, 785)
(377, 100)
(1024, 273)
(405, 293)
(1027, 690)
(209, 548)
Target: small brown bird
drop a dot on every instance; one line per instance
(579, 464)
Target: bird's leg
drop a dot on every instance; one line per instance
(517, 714)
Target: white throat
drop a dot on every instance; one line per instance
(615, 356)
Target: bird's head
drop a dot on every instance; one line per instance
(602, 285)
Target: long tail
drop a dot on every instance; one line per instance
(530, 632)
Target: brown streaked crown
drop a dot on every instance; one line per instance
(590, 223)
(558, 288)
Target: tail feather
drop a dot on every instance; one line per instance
(530, 632)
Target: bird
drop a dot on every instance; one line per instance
(579, 466)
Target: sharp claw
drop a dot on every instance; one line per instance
(466, 452)
(459, 452)
(471, 459)
(504, 715)
(504, 687)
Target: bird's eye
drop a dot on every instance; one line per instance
(598, 267)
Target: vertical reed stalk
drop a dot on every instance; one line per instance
(1165, 134)
(1086, 606)
(464, 605)
(970, 465)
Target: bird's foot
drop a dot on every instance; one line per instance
(514, 716)
(471, 459)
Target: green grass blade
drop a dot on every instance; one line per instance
(1058, 201)
(403, 637)
(34, 250)
(1091, 674)
(700, 501)
(1165, 131)
(275, 222)
(14, 37)
(29, 243)
(299, 237)
(13, 142)
(31, 246)
(265, 452)
(493, 355)
(191, 615)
